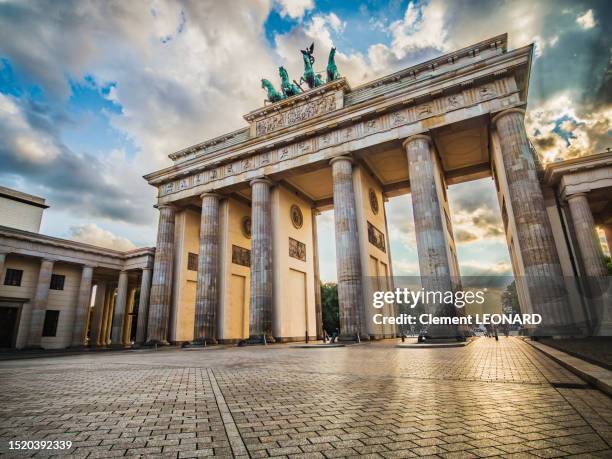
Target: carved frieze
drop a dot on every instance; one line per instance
(403, 116)
(295, 115)
(297, 249)
(376, 237)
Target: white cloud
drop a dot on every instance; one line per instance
(90, 233)
(295, 8)
(423, 26)
(586, 20)
(16, 134)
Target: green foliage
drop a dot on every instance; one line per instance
(510, 301)
(329, 302)
(609, 265)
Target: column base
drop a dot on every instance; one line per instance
(156, 342)
(202, 342)
(353, 338)
(261, 339)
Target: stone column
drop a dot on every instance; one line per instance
(429, 227)
(317, 278)
(2, 261)
(543, 273)
(260, 310)
(161, 288)
(120, 309)
(81, 318)
(39, 303)
(588, 240)
(143, 306)
(591, 253)
(129, 310)
(208, 271)
(348, 264)
(98, 316)
(109, 303)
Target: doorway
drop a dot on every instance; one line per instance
(9, 319)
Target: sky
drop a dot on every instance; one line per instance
(95, 94)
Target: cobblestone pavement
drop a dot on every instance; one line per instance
(489, 399)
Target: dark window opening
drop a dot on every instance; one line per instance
(192, 261)
(13, 277)
(57, 282)
(51, 319)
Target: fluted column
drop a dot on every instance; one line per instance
(81, 318)
(260, 323)
(109, 305)
(591, 252)
(2, 261)
(143, 306)
(588, 240)
(129, 309)
(434, 265)
(98, 315)
(348, 263)
(39, 303)
(538, 251)
(208, 267)
(317, 277)
(161, 288)
(120, 309)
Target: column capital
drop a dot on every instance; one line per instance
(262, 179)
(569, 197)
(416, 137)
(509, 111)
(341, 158)
(147, 268)
(210, 194)
(165, 206)
(48, 260)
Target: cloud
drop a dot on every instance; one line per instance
(586, 20)
(295, 8)
(560, 128)
(423, 26)
(90, 233)
(32, 156)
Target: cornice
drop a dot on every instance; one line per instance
(471, 74)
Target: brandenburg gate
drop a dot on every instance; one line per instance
(236, 254)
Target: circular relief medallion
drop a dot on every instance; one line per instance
(296, 216)
(246, 227)
(373, 201)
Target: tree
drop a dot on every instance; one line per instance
(329, 303)
(510, 301)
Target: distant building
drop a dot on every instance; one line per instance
(56, 293)
(20, 210)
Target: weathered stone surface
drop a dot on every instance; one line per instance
(161, 288)
(317, 279)
(143, 306)
(81, 319)
(434, 263)
(39, 303)
(207, 295)
(592, 256)
(261, 261)
(120, 309)
(539, 253)
(95, 332)
(588, 240)
(348, 265)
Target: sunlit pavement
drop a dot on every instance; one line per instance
(491, 398)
